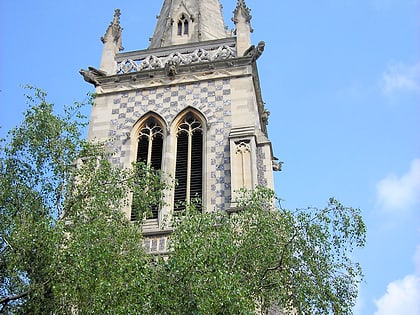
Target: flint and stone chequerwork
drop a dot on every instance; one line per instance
(190, 105)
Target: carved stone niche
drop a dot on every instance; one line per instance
(243, 163)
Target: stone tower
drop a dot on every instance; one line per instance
(190, 105)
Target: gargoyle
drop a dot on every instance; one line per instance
(277, 165)
(96, 72)
(255, 52)
(170, 68)
(264, 116)
(89, 77)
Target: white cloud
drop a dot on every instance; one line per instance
(400, 78)
(402, 296)
(399, 193)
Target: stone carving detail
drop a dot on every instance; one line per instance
(264, 117)
(150, 63)
(200, 55)
(241, 8)
(153, 62)
(170, 69)
(127, 66)
(114, 31)
(242, 147)
(243, 164)
(277, 165)
(91, 75)
(255, 52)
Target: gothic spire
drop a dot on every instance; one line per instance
(187, 21)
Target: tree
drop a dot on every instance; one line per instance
(263, 258)
(65, 243)
(67, 247)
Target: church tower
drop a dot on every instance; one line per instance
(190, 105)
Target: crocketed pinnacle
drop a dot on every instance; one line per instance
(114, 31)
(241, 9)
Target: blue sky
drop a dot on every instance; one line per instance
(340, 78)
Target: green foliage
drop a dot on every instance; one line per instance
(66, 246)
(260, 257)
(35, 165)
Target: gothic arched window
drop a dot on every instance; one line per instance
(183, 26)
(149, 152)
(150, 144)
(189, 161)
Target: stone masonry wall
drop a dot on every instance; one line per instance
(211, 97)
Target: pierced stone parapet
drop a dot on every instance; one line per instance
(154, 61)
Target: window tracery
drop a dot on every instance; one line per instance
(183, 25)
(149, 152)
(189, 161)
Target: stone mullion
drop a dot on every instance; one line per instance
(188, 193)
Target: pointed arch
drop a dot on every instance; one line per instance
(189, 127)
(145, 116)
(150, 134)
(183, 25)
(195, 111)
(150, 131)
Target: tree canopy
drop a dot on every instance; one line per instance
(68, 248)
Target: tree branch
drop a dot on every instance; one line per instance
(7, 299)
(10, 298)
(7, 243)
(280, 263)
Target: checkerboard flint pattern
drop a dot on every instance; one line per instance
(262, 170)
(212, 98)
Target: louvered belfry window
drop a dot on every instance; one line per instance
(189, 161)
(182, 26)
(149, 151)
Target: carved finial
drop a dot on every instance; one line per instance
(117, 15)
(241, 7)
(114, 30)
